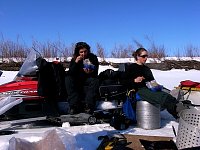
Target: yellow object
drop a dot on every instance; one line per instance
(188, 88)
(109, 146)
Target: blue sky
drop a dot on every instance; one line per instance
(172, 23)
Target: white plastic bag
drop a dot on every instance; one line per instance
(54, 139)
(7, 103)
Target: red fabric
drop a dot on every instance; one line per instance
(189, 83)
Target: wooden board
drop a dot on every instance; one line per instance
(136, 145)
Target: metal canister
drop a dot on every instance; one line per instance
(148, 115)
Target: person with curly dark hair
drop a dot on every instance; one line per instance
(81, 80)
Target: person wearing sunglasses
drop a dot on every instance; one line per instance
(142, 80)
(82, 73)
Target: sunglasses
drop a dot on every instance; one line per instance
(143, 56)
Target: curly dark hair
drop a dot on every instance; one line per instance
(138, 52)
(79, 46)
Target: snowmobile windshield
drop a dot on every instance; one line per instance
(29, 68)
(1, 72)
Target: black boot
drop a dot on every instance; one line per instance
(182, 105)
(89, 109)
(73, 110)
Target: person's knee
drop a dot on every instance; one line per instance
(94, 82)
(68, 79)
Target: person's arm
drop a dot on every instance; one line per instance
(73, 67)
(149, 75)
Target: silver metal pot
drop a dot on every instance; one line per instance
(147, 115)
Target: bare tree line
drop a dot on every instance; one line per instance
(10, 49)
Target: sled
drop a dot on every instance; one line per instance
(188, 91)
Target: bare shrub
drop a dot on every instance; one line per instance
(137, 43)
(178, 54)
(192, 51)
(52, 49)
(121, 51)
(100, 51)
(69, 50)
(12, 50)
(156, 51)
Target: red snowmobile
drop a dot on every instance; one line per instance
(25, 96)
(19, 98)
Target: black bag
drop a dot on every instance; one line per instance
(120, 122)
(51, 79)
(110, 76)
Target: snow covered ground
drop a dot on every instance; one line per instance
(86, 137)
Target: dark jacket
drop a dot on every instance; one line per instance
(76, 69)
(134, 70)
(51, 77)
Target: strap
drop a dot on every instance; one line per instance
(130, 92)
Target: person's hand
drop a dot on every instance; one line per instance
(88, 71)
(78, 59)
(139, 79)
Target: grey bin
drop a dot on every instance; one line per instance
(147, 115)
